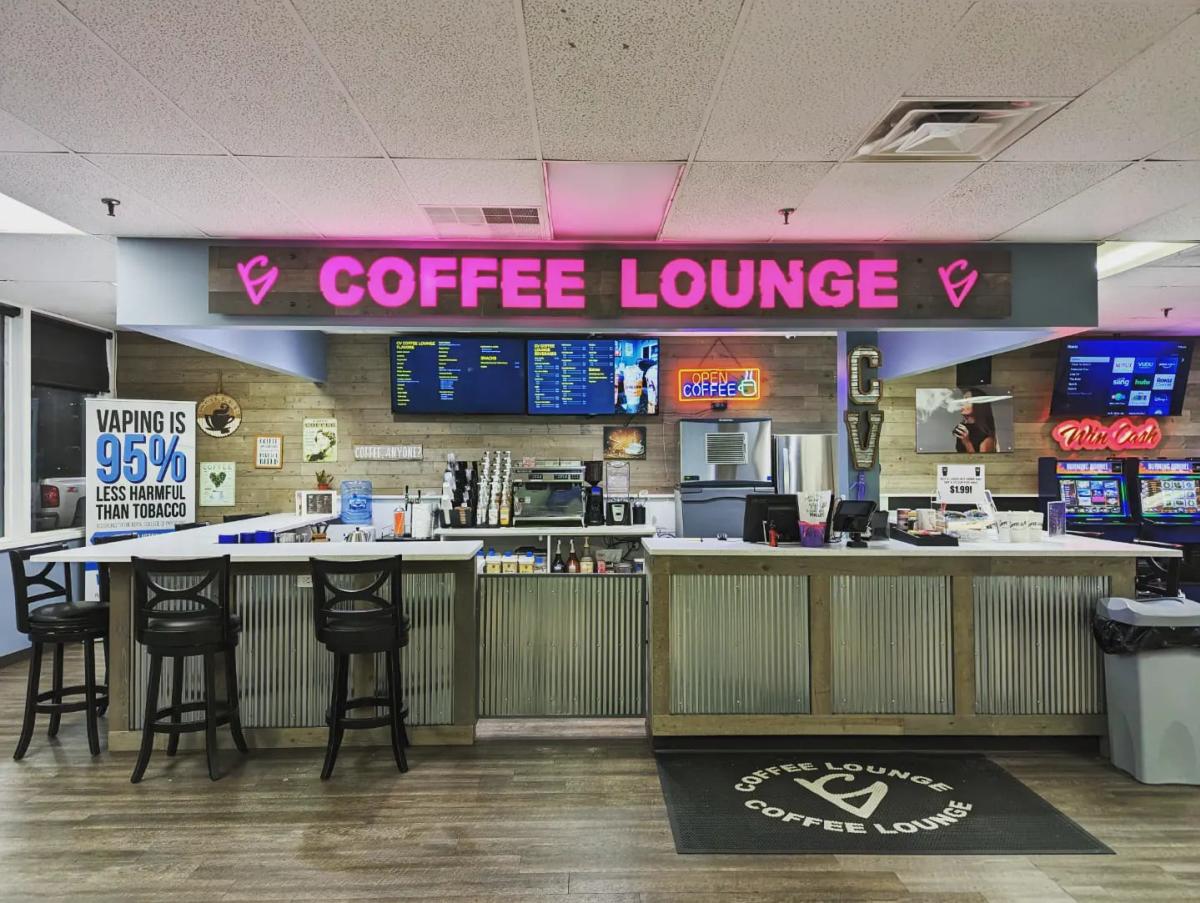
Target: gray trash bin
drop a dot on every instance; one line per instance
(1152, 672)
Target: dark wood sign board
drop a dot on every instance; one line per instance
(920, 292)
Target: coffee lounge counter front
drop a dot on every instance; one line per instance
(985, 638)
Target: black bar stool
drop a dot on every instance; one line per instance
(48, 616)
(362, 621)
(177, 622)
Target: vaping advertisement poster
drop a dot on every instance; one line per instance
(968, 421)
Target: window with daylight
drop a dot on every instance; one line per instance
(68, 364)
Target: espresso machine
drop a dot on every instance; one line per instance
(593, 510)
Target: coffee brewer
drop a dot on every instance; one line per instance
(593, 475)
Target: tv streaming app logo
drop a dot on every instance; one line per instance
(1164, 380)
(1139, 399)
(1122, 365)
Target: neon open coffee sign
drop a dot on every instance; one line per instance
(427, 283)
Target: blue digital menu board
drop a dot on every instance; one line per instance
(593, 376)
(457, 375)
(1112, 377)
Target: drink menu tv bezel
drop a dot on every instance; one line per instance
(518, 406)
(1100, 403)
(529, 388)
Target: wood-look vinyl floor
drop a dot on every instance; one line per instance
(576, 820)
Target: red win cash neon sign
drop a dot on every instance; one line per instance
(1120, 435)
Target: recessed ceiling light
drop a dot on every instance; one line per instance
(1114, 257)
(19, 218)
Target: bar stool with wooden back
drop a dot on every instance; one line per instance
(367, 620)
(49, 617)
(176, 622)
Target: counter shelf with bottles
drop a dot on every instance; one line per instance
(559, 553)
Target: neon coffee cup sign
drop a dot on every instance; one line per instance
(428, 283)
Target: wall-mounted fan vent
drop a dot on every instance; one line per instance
(726, 448)
(952, 130)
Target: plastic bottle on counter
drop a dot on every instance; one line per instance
(539, 564)
(557, 566)
(492, 565)
(525, 563)
(508, 564)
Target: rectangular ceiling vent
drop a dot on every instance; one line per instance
(725, 448)
(487, 222)
(951, 130)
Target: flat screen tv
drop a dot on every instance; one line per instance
(1113, 377)
(593, 376)
(457, 375)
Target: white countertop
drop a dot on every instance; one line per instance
(545, 530)
(1059, 547)
(201, 542)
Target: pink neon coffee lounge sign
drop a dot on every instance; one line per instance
(665, 284)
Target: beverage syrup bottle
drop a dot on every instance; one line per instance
(557, 565)
(572, 560)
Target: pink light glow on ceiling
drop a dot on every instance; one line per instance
(609, 200)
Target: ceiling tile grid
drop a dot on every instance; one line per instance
(59, 78)
(500, 183)
(625, 80)
(738, 201)
(1000, 196)
(434, 78)
(216, 194)
(1143, 106)
(15, 135)
(69, 188)
(1180, 224)
(243, 71)
(1043, 48)
(809, 77)
(1137, 193)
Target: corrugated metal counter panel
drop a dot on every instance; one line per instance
(561, 645)
(739, 644)
(1034, 651)
(892, 646)
(285, 676)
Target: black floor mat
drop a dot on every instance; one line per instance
(858, 802)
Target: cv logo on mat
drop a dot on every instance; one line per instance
(873, 795)
(957, 288)
(258, 285)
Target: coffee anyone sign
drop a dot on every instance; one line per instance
(442, 284)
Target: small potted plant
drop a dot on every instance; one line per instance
(324, 480)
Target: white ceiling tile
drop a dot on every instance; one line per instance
(1180, 224)
(69, 188)
(1143, 106)
(1035, 48)
(217, 194)
(499, 183)
(1137, 308)
(1187, 148)
(870, 201)
(17, 136)
(244, 71)
(343, 198)
(809, 77)
(88, 302)
(738, 201)
(1000, 196)
(1133, 195)
(57, 258)
(60, 79)
(1159, 276)
(435, 78)
(622, 201)
(624, 79)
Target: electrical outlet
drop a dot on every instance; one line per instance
(304, 581)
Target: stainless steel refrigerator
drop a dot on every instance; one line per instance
(721, 461)
(805, 462)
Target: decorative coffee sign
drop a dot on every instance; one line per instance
(218, 415)
(432, 284)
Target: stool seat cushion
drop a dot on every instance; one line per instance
(70, 614)
(352, 638)
(165, 630)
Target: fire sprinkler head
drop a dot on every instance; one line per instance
(786, 212)
(111, 204)
(1167, 312)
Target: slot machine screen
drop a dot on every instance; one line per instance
(1168, 490)
(1093, 490)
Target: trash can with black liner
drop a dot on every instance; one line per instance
(1152, 671)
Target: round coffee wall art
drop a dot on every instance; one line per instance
(219, 415)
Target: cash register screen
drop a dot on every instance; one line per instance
(1093, 489)
(1168, 489)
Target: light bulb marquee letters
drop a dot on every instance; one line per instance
(864, 450)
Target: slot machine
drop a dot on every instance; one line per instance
(1096, 492)
(1168, 499)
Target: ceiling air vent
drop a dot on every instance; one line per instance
(725, 448)
(952, 130)
(487, 222)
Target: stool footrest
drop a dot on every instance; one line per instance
(160, 725)
(45, 706)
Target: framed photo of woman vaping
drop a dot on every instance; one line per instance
(971, 420)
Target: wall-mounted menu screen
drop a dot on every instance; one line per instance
(1112, 377)
(593, 376)
(457, 375)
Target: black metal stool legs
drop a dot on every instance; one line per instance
(89, 691)
(399, 739)
(147, 747)
(337, 713)
(210, 716)
(104, 705)
(31, 695)
(57, 685)
(176, 702)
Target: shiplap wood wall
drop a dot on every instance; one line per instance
(799, 393)
(1029, 372)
